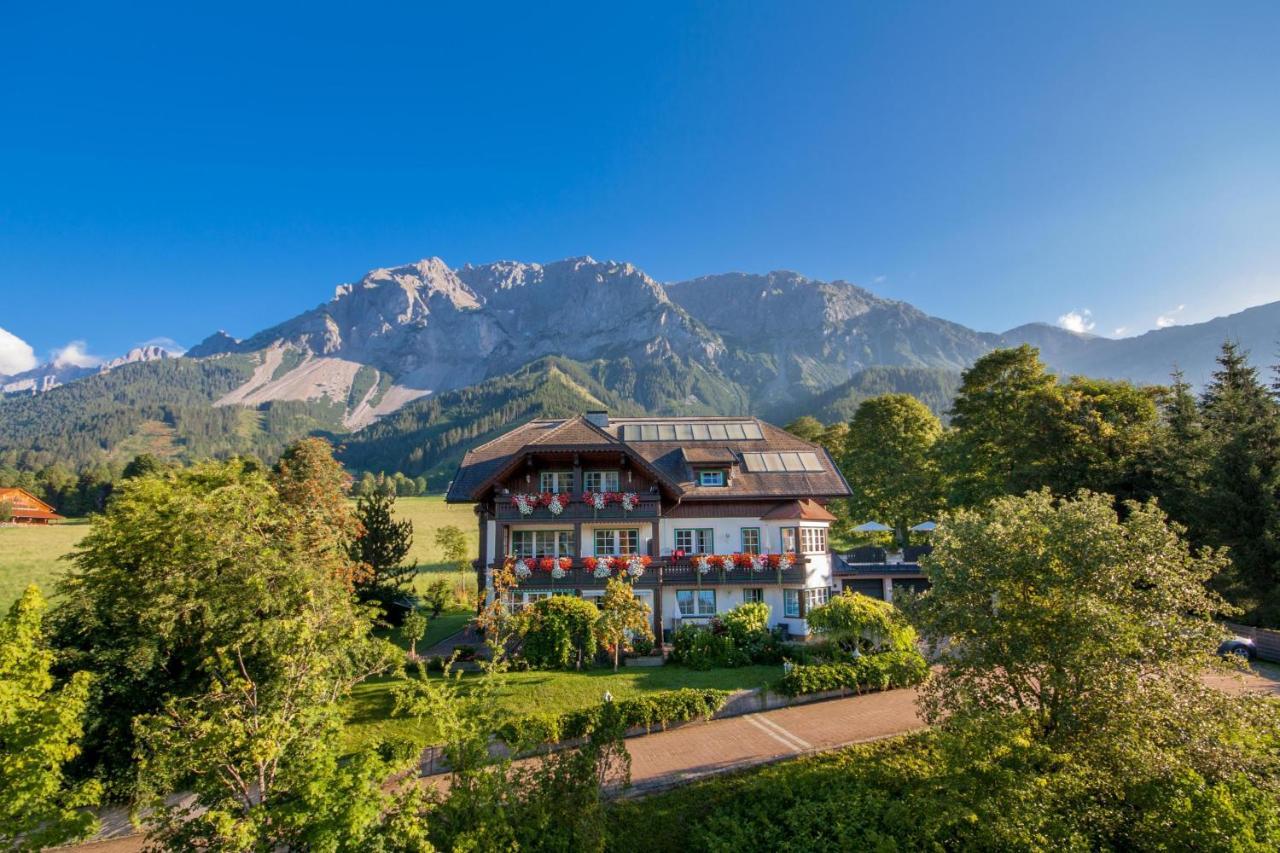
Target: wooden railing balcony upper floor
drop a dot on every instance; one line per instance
(575, 509)
(667, 571)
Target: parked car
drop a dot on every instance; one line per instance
(1239, 646)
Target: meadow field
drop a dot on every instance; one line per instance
(34, 554)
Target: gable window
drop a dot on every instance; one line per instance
(696, 602)
(542, 543)
(751, 540)
(753, 595)
(791, 603)
(612, 543)
(555, 481)
(696, 541)
(600, 481)
(711, 478)
(814, 539)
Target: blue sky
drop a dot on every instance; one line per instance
(168, 171)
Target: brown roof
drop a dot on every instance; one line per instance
(704, 455)
(26, 505)
(669, 461)
(801, 510)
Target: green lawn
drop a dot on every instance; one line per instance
(31, 554)
(428, 515)
(369, 709)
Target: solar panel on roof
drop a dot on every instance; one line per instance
(788, 462)
(692, 431)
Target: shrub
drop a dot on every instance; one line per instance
(869, 672)
(703, 648)
(860, 621)
(656, 709)
(398, 751)
(558, 632)
(642, 645)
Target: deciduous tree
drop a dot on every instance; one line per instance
(621, 614)
(40, 731)
(888, 461)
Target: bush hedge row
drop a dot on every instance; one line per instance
(656, 709)
(870, 672)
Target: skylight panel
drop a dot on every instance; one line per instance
(718, 432)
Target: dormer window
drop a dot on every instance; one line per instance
(711, 477)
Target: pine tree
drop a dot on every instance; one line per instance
(1182, 457)
(1242, 501)
(382, 549)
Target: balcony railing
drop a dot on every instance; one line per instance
(576, 510)
(667, 570)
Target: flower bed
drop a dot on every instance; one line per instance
(882, 671)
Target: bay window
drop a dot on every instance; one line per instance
(814, 539)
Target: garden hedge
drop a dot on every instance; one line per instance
(656, 709)
(881, 671)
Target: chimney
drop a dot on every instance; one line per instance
(598, 417)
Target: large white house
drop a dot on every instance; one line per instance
(709, 512)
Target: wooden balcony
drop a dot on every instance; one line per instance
(646, 508)
(666, 571)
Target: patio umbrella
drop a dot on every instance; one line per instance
(925, 527)
(872, 527)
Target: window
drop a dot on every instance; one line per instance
(700, 541)
(696, 602)
(555, 481)
(542, 543)
(789, 540)
(610, 543)
(814, 539)
(753, 595)
(710, 478)
(791, 603)
(751, 540)
(815, 598)
(600, 481)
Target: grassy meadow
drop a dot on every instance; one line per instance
(33, 554)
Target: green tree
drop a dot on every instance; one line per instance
(6, 512)
(1060, 610)
(183, 568)
(381, 549)
(1241, 506)
(452, 543)
(621, 615)
(558, 632)
(888, 460)
(1003, 422)
(40, 731)
(413, 628)
(140, 466)
(859, 622)
(1181, 458)
(807, 427)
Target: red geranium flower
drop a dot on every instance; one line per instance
(590, 563)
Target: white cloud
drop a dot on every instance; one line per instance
(1169, 318)
(1077, 321)
(1120, 330)
(74, 354)
(16, 355)
(169, 345)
